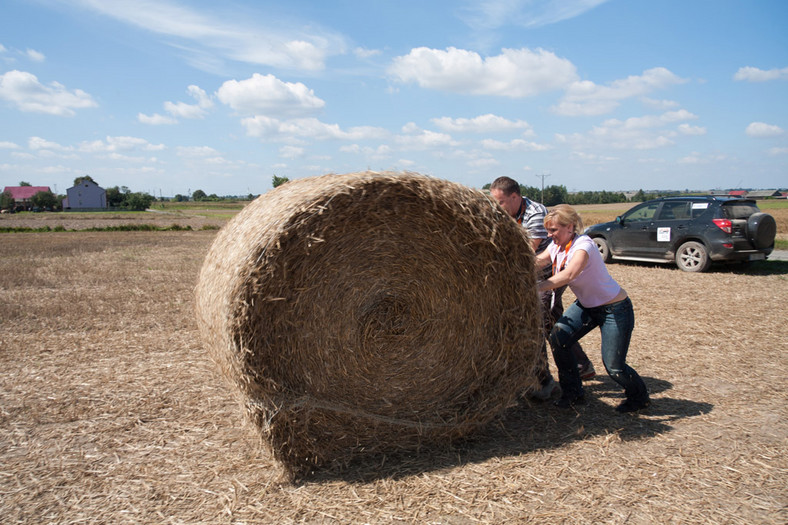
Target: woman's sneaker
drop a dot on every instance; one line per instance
(586, 371)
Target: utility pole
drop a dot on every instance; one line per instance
(543, 176)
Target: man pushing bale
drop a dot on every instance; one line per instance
(370, 313)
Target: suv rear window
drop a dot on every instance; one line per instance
(738, 210)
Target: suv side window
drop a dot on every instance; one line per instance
(699, 208)
(644, 212)
(673, 210)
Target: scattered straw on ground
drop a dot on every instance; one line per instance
(110, 412)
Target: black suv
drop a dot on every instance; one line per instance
(692, 231)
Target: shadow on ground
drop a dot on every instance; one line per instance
(767, 267)
(529, 427)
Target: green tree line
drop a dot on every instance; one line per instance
(557, 194)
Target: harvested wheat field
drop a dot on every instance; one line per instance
(111, 412)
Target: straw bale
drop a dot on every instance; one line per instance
(370, 313)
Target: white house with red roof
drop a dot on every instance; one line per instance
(23, 194)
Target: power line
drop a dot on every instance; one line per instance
(543, 176)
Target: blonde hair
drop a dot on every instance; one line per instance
(564, 215)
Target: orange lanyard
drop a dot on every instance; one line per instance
(566, 256)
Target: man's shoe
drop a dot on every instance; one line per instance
(632, 405)
(569, 402)
(586, 371)
(546, 392)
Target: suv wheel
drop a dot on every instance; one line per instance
(761, 230)
(603, 248)
(693, 257)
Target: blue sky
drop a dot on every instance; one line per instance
(169, 96)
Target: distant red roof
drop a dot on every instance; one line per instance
(22, 193)
(737, 193)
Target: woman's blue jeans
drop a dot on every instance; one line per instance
(616, 322)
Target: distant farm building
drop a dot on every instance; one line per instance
(86, 195)
(23, 194)
(763, 194)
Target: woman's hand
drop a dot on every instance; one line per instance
(573, 268)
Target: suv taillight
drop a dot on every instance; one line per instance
(724, 225)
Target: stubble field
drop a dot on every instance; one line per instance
(110, 411)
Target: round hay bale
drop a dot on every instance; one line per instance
(370, 313)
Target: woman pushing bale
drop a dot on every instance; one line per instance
(370, 313)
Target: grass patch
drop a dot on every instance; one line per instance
(773, 204)
(118, 228)
(192, 207)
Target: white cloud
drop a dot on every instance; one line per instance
(291, 152)
(778, 151)
(492, 14)
(28, 94)
(515, 73)
(37, 143)
(585, 98)
(23, 155)
(382, 151)
(364, 53)
(475, 158)
(128, 158)
(195, 151)
(592, 157)
(118, 144)
(190, 111)
(423, 140)
(156, 119)
(697, 158)
(651, 121)
(753, 74)
(218, 36)
(56, 154)
(8, 145)
(488, 123)
(659, 104)
(686, 129)
(483, 163)
(514, 145)
(306, 128)
(269, 96)
(761, 129)
(636, 133)
(35, 56)
(219, 161)
(184, 110)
